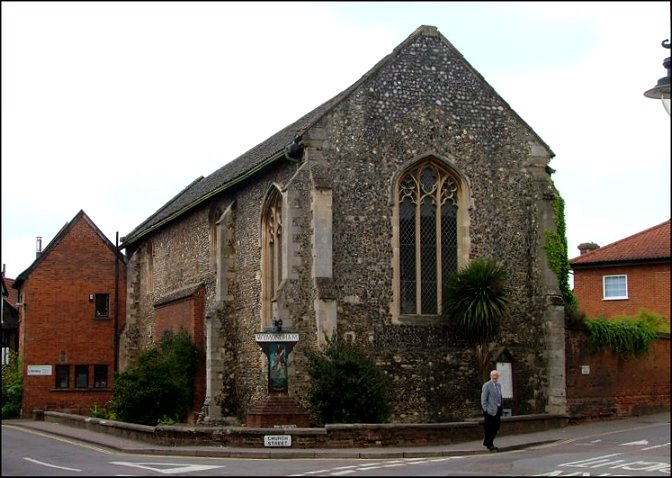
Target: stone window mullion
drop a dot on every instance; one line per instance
(426, 195)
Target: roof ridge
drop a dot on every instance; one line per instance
(600, 251)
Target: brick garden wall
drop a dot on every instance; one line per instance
(187, 313)
(613, 386)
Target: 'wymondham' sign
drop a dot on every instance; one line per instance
(276, 337)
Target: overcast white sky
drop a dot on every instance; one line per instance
(114, 107)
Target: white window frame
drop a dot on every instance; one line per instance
(604, 287)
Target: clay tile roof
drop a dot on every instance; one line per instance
(12, 294)
(651, 244)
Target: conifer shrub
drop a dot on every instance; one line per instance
(347, 386)
(160, 388)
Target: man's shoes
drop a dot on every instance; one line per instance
(493, 448)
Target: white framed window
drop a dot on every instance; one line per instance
(615, 287)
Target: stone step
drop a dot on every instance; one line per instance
(277, 409)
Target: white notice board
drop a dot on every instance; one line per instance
(505, 379)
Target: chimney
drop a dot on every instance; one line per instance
(585, 247)
(38, 247)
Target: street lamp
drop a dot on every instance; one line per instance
(662, 89)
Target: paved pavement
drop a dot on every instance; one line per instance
(504, 442)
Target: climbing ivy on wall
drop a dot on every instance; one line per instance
(556, 249)
(627, 337)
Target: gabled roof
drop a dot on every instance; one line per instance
(9, 295)
(81, 215)
(273, 149)
(649, 245)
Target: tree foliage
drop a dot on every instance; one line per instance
(346, 386)
(160, 388)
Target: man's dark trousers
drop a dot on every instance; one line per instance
(491, 427)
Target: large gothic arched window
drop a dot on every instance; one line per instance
(271, 228)
(427, 202)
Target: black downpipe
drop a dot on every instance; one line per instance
(116, 303)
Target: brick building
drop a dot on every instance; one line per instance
(349, 221)
(625, 276)
(10, 318)
(71, 299)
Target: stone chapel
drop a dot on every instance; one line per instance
(348, 221)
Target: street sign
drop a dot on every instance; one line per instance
(277, 440)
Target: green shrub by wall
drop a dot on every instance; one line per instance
(346, 386)
(160, 389)
(12, 386)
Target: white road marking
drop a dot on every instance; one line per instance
(640, 442)
(590, 461)
(656, 446)
(174, 467)
(49, 465)
(560, 473)
(58, 438)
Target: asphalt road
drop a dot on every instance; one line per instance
(635, 447)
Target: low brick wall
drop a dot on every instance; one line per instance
(329, 436)
(600, 385)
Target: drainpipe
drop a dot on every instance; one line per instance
(2, 304)
(116, 303)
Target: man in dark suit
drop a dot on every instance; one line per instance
(491, 404)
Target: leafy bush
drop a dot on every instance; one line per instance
(161, 386)
(12, 386)
(626, 336)
(346, 387)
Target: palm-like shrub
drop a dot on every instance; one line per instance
(476, 299)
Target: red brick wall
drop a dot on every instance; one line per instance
(58, 324)
(613, 386)
(648, 288)
(187, 313)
